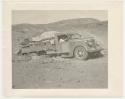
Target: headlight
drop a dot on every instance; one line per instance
(90, 43)
(99, 43)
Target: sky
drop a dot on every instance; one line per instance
(49, 16)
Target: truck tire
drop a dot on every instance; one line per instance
(80, 53)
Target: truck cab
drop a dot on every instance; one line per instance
(69, 44)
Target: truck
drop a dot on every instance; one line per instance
(64, 45)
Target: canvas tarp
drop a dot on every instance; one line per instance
(45, 35)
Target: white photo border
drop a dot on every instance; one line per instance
(114, 9)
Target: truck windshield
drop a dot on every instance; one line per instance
(76, 36)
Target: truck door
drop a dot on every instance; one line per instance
(63, 44)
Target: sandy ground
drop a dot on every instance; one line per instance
(56, 72)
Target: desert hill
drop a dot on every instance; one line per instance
(80, 25)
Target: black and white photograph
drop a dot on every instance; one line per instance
(59, 49)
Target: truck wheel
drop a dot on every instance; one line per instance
(80, 53)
